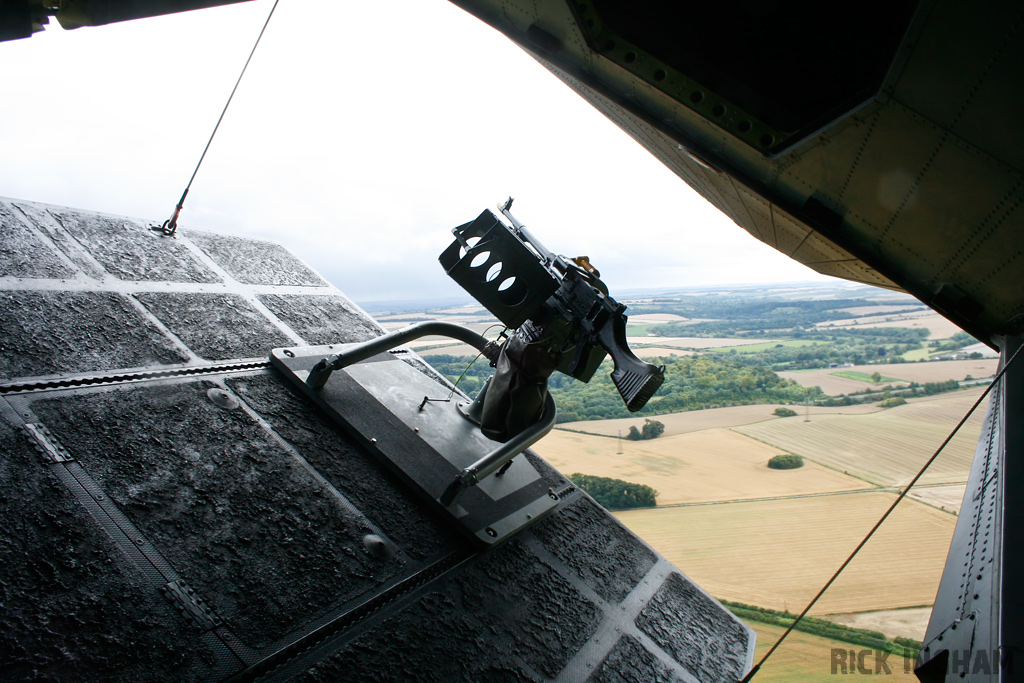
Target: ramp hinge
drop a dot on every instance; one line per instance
(45, 443)
(191, 605)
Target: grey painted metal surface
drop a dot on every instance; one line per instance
(919, 187)
(974, 631)
(172, 509)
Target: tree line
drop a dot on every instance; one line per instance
(691, 383)
(615, 494)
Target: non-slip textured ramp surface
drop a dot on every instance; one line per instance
(172, 509)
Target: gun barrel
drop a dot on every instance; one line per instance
(545, 254)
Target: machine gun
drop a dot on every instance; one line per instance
(562, 315)
(562, 319)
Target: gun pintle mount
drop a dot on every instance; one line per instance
(560, 309)
(563, 319)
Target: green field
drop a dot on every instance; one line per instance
(864, 377)
(764, 346)
(918, 354)
(638, 330)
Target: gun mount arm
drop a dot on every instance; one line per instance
(322, 370)
(501, 455)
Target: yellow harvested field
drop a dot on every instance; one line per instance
(941, 370)
(833, 385)
(931, 371)
(947, 497)
(695, 420)
(886, 447)
(659, 352)
(909, 623)
(463, 311)
(696, 342)
(779, 553)
(830, 384)
(805, 658)
(910, 307)
(656, 318)
(708, 465)
(939, 327)
(456, 349)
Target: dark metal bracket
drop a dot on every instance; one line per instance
(191, 605)
(496, 460)
(46, 444)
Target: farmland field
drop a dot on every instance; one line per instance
(697, 342)
(778, 553)
(805, 658)
(935, 371)
(887, 447)
(864, 377)
(454, 349)
(659, 351)
(707, 465)
(910, 622)
(939, 327)
(695, 420)
(948, 497)
(764, 346)
(657, 318)
(875, 311)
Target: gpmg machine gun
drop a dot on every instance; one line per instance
(562, 316)
(558, 316)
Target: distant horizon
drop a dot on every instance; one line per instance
(624, 294)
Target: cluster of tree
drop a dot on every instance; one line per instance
(954, 343)
(651, 429)
(454, 367)
(872, 395)
(784, 412)
(789, 461)
(691, 383)
(892, 402)
(615, 494)
(857, 346)
(730, 314)
(826, 629)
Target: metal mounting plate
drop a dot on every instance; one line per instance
(379, 400)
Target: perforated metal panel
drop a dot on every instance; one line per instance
(172, 509)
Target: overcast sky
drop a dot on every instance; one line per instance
(360, 135)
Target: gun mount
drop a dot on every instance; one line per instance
(562, 319)
(562, 314)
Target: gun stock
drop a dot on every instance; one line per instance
(635, 379)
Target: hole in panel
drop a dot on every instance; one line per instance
(480, 259)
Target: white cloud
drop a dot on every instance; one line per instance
(359, 137)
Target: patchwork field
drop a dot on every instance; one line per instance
(887, 447)
(885, 310)
(779, 553)
(695, 420)
(659, 351)
(911, 622)
(657, 318)
(939, 327)
(934, 371)
(944, 497)
(453, 349)
(696, 342)
(803, 658)
(706, 465)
